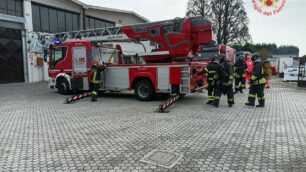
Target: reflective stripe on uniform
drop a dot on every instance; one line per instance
(211, 98)
(212, 72)
(217, 98)
(230, 100)
(253, 77)
(94, 93)
(95, 81)
(236, 75)
(261, 98)
(262, 81)
(237, 86)
(252, 95)
(231, 77)
(210, 79)
(206, 70)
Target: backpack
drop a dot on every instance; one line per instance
(267, 68)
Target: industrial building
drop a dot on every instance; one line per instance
(20, 17)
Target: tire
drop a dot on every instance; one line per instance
(144, 91)
(63, 87)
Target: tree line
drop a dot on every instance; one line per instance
(267, 50)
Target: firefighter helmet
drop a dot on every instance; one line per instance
(95, 63)
(255, 57)
(241, 57)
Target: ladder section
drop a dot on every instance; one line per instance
(185, 80)
(98, 35)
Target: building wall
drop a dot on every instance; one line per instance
(24, 22)
(12, 52)
(61, 4)
(118, 18)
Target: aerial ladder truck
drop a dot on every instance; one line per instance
(167, 68)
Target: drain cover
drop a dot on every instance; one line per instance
(162, 158)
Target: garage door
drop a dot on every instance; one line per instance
(11, 58)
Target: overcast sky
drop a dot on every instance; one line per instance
(286, 28)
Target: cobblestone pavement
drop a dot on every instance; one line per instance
(40, 133)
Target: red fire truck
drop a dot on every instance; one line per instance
(167, 68)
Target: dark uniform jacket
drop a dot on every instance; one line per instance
(257, 76)
(211, 70)
(225, 72)
(240, 68)
(96, 74)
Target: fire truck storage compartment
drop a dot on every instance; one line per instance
(116, 78)
(79, 60)
(163, 81)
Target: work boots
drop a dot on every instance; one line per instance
(250, 104)
(210, 102)
(93, 98)
(261, 104)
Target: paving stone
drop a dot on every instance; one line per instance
(40, 133)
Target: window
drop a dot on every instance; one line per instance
(53, 19)
(36, 17)
(94, 23)
(61, 27)
(12, 7)
(49, 19)
(76, 22)
(206, 55)
(44, 19)
(58, 54)
(69, 23)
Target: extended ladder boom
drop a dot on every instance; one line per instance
(178, 38)
(96, 35)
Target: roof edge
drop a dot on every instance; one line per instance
(86, 6)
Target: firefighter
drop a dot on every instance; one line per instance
(257, 83)
(224, 84)
(240, 68)
(210, 71)
(95, 79)
(268, 72)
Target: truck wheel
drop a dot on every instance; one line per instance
(144, 91)
(63, 87)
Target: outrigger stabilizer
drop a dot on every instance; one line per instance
(169, 102)
(161, 108)
(69, 100)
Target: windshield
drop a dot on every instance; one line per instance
(58, 54)
(203, 56)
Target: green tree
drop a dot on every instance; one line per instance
(264, 53)
(228, 16)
